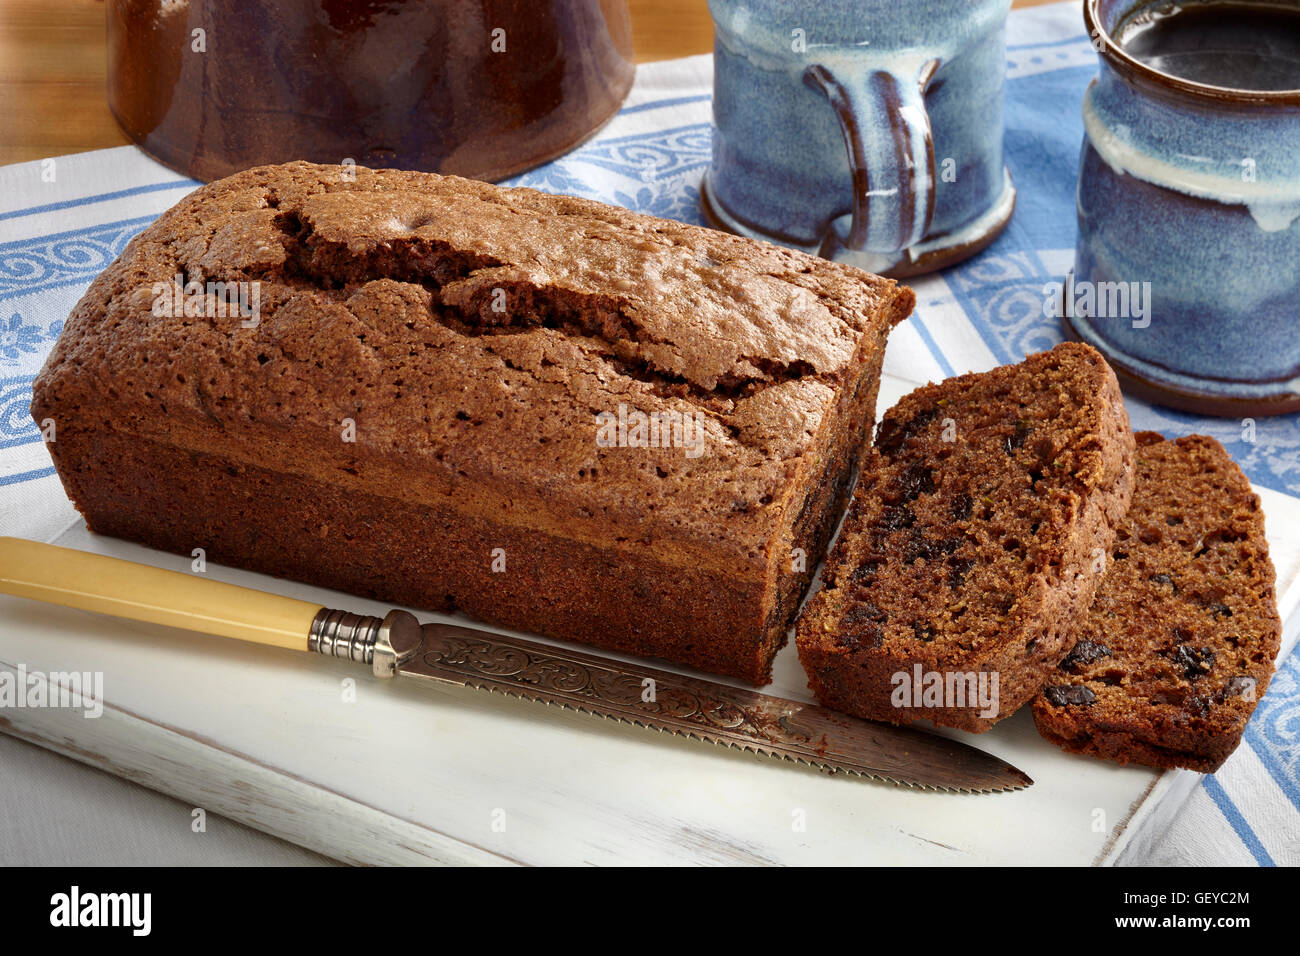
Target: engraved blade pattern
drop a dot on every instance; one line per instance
(706, 710)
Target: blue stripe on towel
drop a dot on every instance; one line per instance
(99, 197)
(1229, 809)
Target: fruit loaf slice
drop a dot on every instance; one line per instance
(975, 540)
(1180, 641)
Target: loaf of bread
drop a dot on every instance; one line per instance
(551, 414)
(975, 541)
(1179, 644)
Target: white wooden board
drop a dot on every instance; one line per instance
(407, 774)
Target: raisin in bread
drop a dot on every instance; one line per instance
(975, 539)
(1180, 641)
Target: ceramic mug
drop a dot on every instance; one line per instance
(1191, 193)
(869, 131)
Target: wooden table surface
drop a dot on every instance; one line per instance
(53, 62)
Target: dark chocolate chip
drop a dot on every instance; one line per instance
(962, 506)
(1085, 653)
(1220, 610)
(1163, 579)
(1070, 695)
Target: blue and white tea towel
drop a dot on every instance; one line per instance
(63, 220)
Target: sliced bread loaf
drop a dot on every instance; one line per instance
(547, 413)
(976, 538)
(1179, 643)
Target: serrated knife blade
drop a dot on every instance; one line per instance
(705, 710)
(397, 645)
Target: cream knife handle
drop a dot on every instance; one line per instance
(93, 582)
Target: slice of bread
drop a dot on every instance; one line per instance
(975, 540)
(1180, 641)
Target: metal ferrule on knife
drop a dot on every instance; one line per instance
(383, 643)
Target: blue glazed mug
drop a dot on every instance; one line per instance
(1189, 196)
(869, 131)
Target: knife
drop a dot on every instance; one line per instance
(397, 645)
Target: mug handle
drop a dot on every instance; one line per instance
(893, 173)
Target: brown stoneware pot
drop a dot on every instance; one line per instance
(479, 88)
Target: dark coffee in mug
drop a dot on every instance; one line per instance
(1244, 46)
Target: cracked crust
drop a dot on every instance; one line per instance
(974, 540)
(471, 334)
